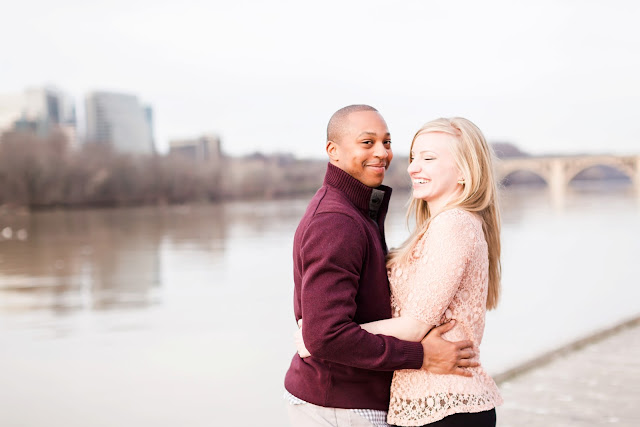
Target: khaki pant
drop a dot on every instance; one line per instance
(309, 415)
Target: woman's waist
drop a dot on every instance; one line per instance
(420, 383)
(470, 321)
(466, 331)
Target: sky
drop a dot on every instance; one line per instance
(549, 76)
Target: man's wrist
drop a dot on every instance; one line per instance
(414, 355)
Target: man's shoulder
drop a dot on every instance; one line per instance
(329, 200)
(330, 208)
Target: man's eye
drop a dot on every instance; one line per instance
(388, 142)
(367, 142)
(428, 158)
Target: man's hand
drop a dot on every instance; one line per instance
(297, 338)
(446, 357)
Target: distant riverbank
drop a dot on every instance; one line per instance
(40, 174)
(43, 174)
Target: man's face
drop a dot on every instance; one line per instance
(363, 149)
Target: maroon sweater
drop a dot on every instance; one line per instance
(341, 281)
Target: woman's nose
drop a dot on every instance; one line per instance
(413, 167)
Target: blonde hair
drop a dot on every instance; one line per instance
(473, 157)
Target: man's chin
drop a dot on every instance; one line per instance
(374, 182)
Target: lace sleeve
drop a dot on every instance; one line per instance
(440, 265)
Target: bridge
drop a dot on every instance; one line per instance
(558, 171)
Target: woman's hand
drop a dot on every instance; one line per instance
(299, 341)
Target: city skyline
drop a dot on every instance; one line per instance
(550, 77)
(114, 118)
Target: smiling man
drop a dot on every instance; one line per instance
(359, 143)
(341, 281)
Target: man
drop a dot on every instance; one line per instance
(341, 281)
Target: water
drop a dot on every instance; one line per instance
(183, 315)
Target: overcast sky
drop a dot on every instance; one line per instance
(550, 76)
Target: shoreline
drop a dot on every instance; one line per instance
(567, 349)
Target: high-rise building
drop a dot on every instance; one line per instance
(11, 109)
(148, 115)
(120, 120)
(206, 148)
(40, 109)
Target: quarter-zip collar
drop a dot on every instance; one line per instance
(372, 202)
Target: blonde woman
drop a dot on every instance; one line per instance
(448, 268)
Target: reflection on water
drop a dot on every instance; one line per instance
(188, 310)
(106, 259)
(109, 259)
(82, 259)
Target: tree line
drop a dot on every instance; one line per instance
(37, 172)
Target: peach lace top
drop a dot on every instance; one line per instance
(445, 278)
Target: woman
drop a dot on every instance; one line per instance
(448, 268)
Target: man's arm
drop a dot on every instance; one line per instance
(439, 355)
(333, 262)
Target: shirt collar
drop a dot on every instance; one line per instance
(369, 200)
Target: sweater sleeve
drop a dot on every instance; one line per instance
(333, 261)
(442, 262)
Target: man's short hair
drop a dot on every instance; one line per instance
(338, 121)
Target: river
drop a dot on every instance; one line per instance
(183, 315)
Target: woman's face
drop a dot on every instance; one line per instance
(433, 170)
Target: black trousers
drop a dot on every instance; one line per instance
(465, 419)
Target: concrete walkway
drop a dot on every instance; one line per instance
(594, 382)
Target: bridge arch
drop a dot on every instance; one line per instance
(585, 164)
(529, 174)
(559, 171)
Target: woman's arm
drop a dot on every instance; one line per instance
(404, 327)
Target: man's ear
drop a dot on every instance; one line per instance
(332, 150)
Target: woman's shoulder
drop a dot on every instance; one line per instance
(456, 227)
(457, 217)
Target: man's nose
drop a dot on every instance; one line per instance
(381, 151)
